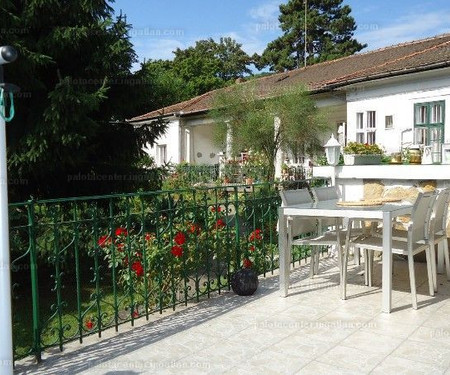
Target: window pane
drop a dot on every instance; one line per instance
(435, 134)
(359, 121)
(421, 114)
(371, 138)
(421, 136)
(371, 119)
(162, 154)
(389, 122)
(360, 137)
(436, 113)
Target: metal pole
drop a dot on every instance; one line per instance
(306, 30)
(6, 345)
(7, 54)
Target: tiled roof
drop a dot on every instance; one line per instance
(394, 60)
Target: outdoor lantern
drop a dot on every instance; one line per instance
(332, 151)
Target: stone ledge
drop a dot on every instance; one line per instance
(386, 172)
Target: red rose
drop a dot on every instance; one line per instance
(220, 224)
(149, 236)
(255, 235)
(137, 268)
(103, 241)
(135, 314)
(120, 247)
(216, 209)
(247, 263)
(177, 251)
(251, 248)
(194, 228)
(180, 238)
(89, 324)
(121, 232)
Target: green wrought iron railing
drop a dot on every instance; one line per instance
(198, 173)
(83, 265)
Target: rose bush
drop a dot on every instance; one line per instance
(184, 250)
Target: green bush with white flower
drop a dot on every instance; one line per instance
(357, 148)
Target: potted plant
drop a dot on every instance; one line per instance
(244, 281)
(356, 153)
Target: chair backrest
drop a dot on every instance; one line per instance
(440, 210)
(325, 193)
(421, 215)
(297, 196)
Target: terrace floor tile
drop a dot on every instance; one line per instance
(311, 331)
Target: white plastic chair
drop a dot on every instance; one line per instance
(417, 240)
(328, 193)
(307, 228)
(325, 193)
(438, 231)
(325, 224)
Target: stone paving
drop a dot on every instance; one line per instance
(311, 331)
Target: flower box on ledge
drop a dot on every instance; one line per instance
(355, 159)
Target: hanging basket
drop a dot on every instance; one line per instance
(244, 282)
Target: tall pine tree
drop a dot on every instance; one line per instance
(329, 35)
(74, 73)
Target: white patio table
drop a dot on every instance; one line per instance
(385, 212)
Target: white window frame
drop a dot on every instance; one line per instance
(161, 154)
(429, 122)
(366, 126)
(389, 122)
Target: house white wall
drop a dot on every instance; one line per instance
(396, 97)
(186, 140)
(170, 141)
(204, 151)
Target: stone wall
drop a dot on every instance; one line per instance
(377, 189)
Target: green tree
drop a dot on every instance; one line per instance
(74, 73)
(251, 121)
(210, 65)
(329, 35)
(166, 86)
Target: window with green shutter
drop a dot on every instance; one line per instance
(429, 122)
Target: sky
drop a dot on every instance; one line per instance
(159, 27)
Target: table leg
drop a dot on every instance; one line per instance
(440, 263)
(284, 253)
(387, 263)
(343, 265)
